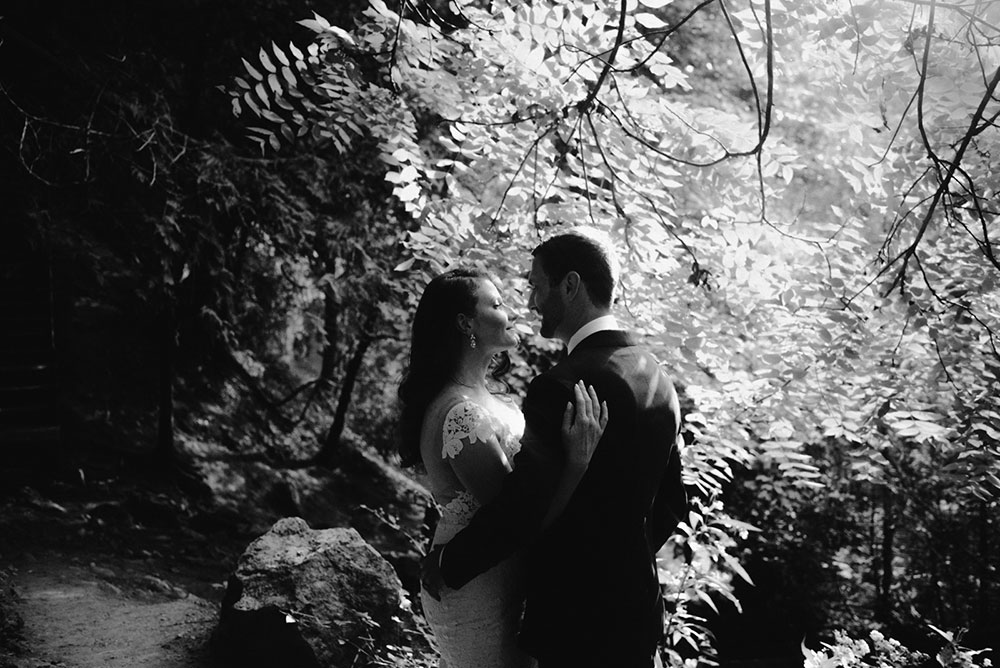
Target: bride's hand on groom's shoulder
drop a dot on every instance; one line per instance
(430, 572)
(584, 421)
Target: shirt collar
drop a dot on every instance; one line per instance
(598, 324)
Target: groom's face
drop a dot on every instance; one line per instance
(544, 299)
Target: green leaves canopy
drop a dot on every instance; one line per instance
(805, 203)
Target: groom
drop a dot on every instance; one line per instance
(592, 595)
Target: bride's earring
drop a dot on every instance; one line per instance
(472, 340)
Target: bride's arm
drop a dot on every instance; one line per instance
(583, 425)
(481, 469)
(474, 451)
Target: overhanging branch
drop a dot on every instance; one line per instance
(942, 188)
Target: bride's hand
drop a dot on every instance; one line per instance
(583, 424)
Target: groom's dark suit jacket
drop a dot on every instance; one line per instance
(590, 576)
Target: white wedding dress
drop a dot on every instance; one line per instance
(476, 626)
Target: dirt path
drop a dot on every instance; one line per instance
(74, 617)
(84, 585)
(114, 564)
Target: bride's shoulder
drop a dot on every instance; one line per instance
(456, 417)
(451, 402)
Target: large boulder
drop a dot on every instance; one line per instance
(301, 598)
(390, 510)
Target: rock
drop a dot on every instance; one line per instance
(393, 513)
(11, 621)
(161, 586)
(309, 599)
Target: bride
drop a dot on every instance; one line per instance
(465, 433)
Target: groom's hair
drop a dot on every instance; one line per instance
(583, 251)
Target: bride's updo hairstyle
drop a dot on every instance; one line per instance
(435, 346)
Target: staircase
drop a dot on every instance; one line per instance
(29, 388)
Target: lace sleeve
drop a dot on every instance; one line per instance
(464, 420)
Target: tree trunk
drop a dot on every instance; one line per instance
(164, 451)
(883, 607)
(328, 453)
(331, 313)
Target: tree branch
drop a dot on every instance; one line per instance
(763, 117)
(961, 9)
(585, 105)
(942, 188)
(920, 91)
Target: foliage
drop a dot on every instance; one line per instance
(810, 253)
(692, 580)
(884, 652)
(803, 194)
(186, 261)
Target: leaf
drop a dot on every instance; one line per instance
(248, 98)
(408, 193)
(707, 599)
(650, 21)
(279, 55)
(736, 567)
(317, 24)
(253, 72)
(380, 7)
(274, 84)
(655, 4)
(993, 480)
(271, 116)
(342, 34)
(262, 94)
(947, 635)
(266, 62)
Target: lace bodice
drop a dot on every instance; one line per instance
(468, 419)
(467, 424)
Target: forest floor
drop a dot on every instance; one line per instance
(103, 565)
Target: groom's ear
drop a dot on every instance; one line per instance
(571, 284)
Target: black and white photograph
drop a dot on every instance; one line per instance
(500, 334)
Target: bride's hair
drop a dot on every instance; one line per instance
(435, 344)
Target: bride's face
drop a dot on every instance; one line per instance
(492, 323)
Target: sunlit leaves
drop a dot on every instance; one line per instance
(751, 269)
